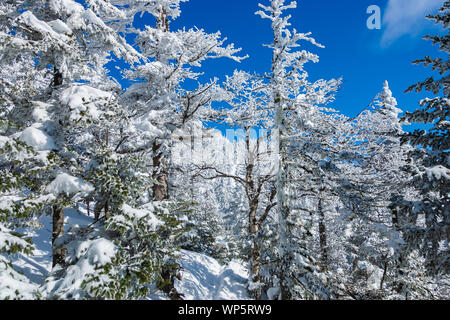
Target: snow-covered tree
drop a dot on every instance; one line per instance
(249, 113)
(18, 207)
(157, 101)
(425, 219)
(295, 101)
(369, 178)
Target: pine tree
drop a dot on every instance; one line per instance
(67, 43)
(424, 221)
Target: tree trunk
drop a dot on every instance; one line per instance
(255, 259)
(59, 254)
(160, 189)
(99, 204)
(399, 261)
(167, 284)
(323, 235)
(282, 203)
(57, 78)
(107, 211)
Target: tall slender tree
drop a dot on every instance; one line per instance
(294, 100)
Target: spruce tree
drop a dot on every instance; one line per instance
(425, 221)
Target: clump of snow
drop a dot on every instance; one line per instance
(40, 113)
(136, 213)
(438, 172)
(69, 185)
(273, 293)
(8, 240)
(40, 26)
(390, 102)
(60, 27)
(91, 254)
(374, 274)
(144, 124)
(100, 252)
(131, 216)
(37, 138)
(84, 99)
(204, 278)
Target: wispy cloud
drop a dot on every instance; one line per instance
(406, 17)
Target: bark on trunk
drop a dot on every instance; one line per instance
(101, 204)
(255, 260)
(160, 189)
(168, 284)
(59, 254)
(323, 235)
(107, 211)
(57, 78)
(283, 212)
(399, 262)
(98, 209)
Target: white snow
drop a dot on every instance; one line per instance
(4, 140)
(141, 213)
(91, 254)
(84, 99)
(204, 278)
(69, 185)
(438, 172)
(37, 138)
(12, 282)
(40, 113)
(144, 124)
(30, 19)
(60, 27)
(7, 240)
(37, 267)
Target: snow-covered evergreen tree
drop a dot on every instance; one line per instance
(424, 220)
(157, 101)
(295, 101)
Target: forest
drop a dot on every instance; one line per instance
(125, 175)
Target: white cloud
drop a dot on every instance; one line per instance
(407, 17)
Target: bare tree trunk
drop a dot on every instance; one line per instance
(59, 254)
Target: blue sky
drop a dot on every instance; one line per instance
(363, 57)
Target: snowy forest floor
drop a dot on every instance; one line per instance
(203, 277)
